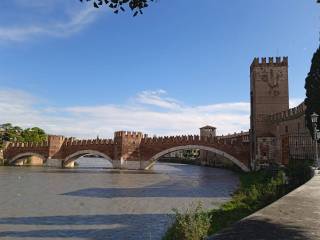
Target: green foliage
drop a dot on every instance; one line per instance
(34, 134)
(257, 190)
(119, 5)
(312, 86)
(299, 172)
(190, 154)
(194, 224)
(16, 133)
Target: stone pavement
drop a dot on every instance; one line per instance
(294, 216)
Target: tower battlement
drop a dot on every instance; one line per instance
(271, 61)
(128, 134)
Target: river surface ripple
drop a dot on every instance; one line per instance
(96, 204)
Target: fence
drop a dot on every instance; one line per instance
(298, 147)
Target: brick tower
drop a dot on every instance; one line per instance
(206, 156)
(268, 94)
(127, 148)
(55, 142)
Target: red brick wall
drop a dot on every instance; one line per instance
(130, 146)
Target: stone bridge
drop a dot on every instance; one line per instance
(128, 150)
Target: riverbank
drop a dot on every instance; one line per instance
(257, 190)
(295, 216)
(1, 157)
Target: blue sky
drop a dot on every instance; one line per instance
(74, 70)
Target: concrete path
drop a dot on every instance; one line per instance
(295, 216)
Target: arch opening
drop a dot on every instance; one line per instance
(88, 159)
(27, 159)
(218, 152)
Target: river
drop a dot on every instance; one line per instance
(95, 203)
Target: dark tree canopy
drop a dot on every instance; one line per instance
(119, 5)
(312, 87)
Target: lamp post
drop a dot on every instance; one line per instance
(314, 120)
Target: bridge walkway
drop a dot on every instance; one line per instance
(294, 216)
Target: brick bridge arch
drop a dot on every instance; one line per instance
(128, 150)
(236, 161)
(21, 156)
(74, 156)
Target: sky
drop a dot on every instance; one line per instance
(77, 71)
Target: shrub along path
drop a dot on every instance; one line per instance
(295, 216)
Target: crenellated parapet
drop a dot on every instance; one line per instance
(76, 142)
(264, 62)
(196, 139)
(173, 139)
(292, 113)
(233, 135)
(26, 144)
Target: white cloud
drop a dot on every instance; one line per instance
(75, 21)
(21, 108)
(166, 117)
(157, 98)
(294, 102)
(239, 107)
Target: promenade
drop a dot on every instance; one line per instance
(294, 216)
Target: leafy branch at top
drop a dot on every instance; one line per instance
(119, 5)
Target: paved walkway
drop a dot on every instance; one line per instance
(295, 216)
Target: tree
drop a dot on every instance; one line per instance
(35, 135)
(312, 87)
(119, 5)
(16, 133)
(6, 126)
(10, 133)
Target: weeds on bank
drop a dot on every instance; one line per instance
(193, 224)
(257, 190)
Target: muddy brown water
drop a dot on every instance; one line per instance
(94, 202)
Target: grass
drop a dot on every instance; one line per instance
(257, 190)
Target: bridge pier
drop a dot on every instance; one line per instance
(54, 163)
(69, 165)
(117, 164)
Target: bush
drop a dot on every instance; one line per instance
(257, 190)
(192, 225)
(299, 172)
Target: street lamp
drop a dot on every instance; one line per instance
(314, 120)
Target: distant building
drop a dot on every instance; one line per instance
(208, 131)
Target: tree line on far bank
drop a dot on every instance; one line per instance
(11, 133)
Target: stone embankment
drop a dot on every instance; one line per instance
(294, 216)
(1, 157)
